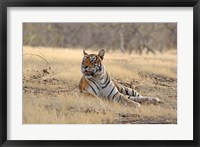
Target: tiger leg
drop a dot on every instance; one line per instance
(120, 98)
(88, 94)
(94, 97)
(145, 100)
(83, 86)
(127, 91)
(135, 96)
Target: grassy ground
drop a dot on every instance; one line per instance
(51, 77)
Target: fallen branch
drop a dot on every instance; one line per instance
(37, 56)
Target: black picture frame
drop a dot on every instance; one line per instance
(4, 4)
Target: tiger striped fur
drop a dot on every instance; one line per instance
(97, 82)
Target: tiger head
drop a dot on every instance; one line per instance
(91, 64)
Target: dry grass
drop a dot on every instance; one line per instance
(50, 93)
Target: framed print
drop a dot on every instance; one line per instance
(86, 73)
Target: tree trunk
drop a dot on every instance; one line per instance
(121, 33)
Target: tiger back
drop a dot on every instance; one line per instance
(97, 82)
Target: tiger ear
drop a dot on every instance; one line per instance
(101, 53)
(84, 53)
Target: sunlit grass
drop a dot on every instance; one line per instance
(45, 102)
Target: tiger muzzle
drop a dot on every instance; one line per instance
(89, 73)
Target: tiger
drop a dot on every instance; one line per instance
(96, 82)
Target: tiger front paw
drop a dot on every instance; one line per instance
(145, 100)
(154, 100)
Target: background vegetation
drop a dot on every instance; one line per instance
(127, 37)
